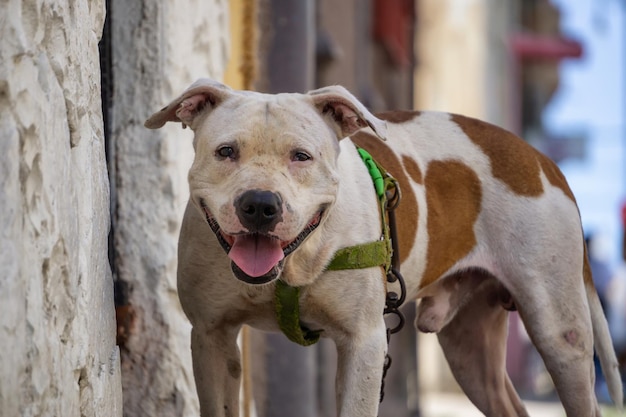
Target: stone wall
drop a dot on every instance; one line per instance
(159, 48)
(58, 355)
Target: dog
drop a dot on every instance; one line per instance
(486, 224)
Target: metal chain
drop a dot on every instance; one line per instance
(393, 301)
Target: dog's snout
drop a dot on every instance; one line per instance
(258, 210)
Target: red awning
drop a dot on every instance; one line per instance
(534, 46)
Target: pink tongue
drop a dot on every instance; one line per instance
(256, 255)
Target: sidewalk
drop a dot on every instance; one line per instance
(437, 404)
(457, 405)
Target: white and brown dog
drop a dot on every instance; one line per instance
(485, 222)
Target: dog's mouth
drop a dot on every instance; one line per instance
(258, 258)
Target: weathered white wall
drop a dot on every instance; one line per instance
(57, 325)
(159, 48)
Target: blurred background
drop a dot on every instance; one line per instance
(91, 201)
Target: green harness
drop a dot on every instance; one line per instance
(366, 255)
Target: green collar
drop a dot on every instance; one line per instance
(377, 253)
(366, 255)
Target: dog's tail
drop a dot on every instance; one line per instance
(602, 341)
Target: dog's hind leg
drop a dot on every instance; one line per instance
(556, 316)
(474, 343)
(217, 370)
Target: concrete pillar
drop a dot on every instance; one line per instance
(158, 48)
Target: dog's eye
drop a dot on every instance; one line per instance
(225, 151)
(300, 156)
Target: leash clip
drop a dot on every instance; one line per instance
(393, 301)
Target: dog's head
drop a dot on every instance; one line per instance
(265, 169)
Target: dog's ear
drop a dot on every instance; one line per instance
(346, 114)
(200, 96)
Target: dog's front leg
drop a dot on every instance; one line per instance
(359, 372)
(217, 370)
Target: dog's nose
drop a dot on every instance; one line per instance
(258, 210)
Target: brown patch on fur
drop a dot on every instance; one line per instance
(555, 176)
(587, 275)
(453, 197)
(513, 161)
(398, 116)
(412, 169)
(407, 211)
